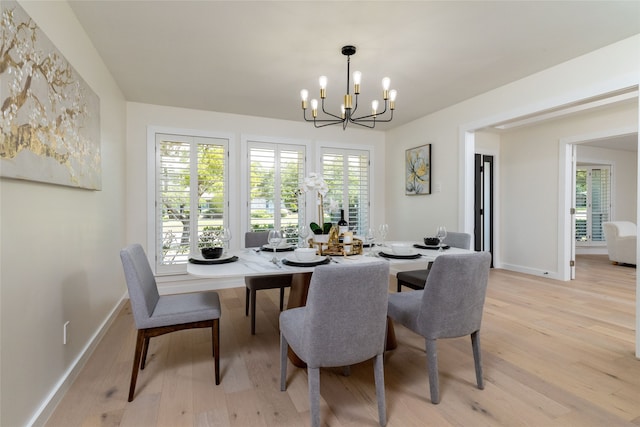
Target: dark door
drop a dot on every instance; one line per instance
(483, 216)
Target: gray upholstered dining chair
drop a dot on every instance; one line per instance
(156, 314)
(343, 323)
(415, 279)
(255, 239)
(449, 306)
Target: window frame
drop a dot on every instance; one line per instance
(153, 189)
(589, 167)
(345, 149)
(246, 141)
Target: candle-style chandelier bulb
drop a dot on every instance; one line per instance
(392, 99)
(357, 77)
(350, 101)
(374, 106)
(323, 86)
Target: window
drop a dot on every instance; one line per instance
(190, 196)
(275, 174)
(593, 202)
(347, 175)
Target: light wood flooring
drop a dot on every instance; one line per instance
(554, 354)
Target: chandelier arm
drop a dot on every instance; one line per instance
(330, 122)
(314, 121)
(376, 114)
(328, 113)
(371, 126)
(366, 119)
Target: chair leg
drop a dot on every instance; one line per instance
(253, 311)
(143, 363)
(475, 343)
(378, 372)
(136, 363)
(399, 286)
(314, 395)
(284, 347)
(215, 331)
(432, 366)
(246, 302)
(281, 298)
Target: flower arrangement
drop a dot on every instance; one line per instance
(315, 182)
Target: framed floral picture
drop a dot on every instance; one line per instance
(418, 170)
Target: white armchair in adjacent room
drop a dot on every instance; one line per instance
(621, 241)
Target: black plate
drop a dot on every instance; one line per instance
(285, 261)
(430, 247)
(278, 249)
(213, 261)
(386, 255)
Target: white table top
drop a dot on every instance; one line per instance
(252, 262)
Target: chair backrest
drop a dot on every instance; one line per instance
(453, 298)
(255, 239)
(141, 283)
(458, 240)
(615, 229)
(346, 314)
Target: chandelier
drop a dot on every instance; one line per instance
(349, 107)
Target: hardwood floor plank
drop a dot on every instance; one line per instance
(554, 354)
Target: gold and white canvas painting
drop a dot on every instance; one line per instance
(49, 116)
(418, 170)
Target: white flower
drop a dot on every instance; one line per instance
(315, 182)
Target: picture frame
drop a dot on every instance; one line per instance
(418, 170)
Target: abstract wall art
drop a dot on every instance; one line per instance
(418, 170)
(49, 116)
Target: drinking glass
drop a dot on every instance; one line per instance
(225, 236)
(383, 230)
(275, 237)
(369, 237)
(303, 233)
(441, 234)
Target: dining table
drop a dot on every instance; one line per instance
(264, 261)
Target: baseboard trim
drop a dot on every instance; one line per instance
(532, 271)
(49, 404)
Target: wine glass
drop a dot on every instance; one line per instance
(303, 233)
(383, 230)
(441, 234)
(225, 236)
(275, 237)
(369, 237)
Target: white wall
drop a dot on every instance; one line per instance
(60, 246)
(529, 185)
(605, 70)
(625, 171)
(142, 116)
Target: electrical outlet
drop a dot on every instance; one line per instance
(64, 332)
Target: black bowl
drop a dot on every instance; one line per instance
(211, 253)
(431, 241)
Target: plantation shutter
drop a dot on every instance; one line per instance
(347, 175)
(275, 174)
(191, 196)
(593, 202)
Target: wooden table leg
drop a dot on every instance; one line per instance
(391, 335)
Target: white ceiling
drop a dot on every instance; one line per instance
(254, 57)
(627, 142)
